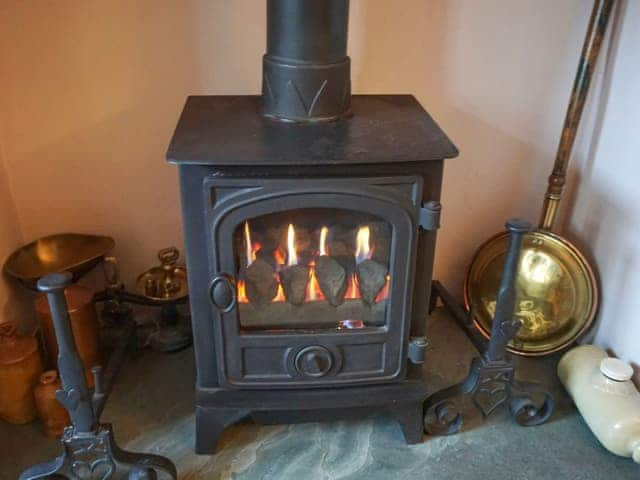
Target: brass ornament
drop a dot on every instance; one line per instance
(556, 291)
(72, 252)
(166, 282)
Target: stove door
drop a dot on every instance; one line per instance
(311, 279)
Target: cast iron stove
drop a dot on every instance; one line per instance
(309, 242)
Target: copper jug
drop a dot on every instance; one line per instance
(20, 367)
(53, 415)
(84, 325)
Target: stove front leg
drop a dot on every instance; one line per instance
(211, 422)
(410, 418)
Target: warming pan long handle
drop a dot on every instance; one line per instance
(588, 58)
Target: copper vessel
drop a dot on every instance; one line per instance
(84, 325)
(20, 367)
(52, 414)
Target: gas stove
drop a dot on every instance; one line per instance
(310, 220)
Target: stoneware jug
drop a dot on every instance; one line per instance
(602, 390)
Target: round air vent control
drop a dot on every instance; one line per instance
(314, 361)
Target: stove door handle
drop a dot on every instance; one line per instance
(223, 293)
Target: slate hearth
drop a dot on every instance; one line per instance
(152, 406)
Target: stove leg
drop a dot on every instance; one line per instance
(210, 423)
(410, 418)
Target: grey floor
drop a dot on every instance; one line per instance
(152, 410)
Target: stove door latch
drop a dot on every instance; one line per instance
(429, 216)
(222, 293)
(417, 347)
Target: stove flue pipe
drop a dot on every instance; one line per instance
(306, 70)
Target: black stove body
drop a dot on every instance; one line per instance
(310, 221)
(245, 181)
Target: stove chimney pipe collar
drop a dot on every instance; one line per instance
(306, 70)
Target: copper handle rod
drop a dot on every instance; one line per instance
(588, 58)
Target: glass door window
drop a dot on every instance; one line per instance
(312, 268)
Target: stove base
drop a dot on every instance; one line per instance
(217, 409)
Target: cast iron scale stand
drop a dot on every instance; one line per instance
(89, 449)
(491, 379)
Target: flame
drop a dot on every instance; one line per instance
(323, 241)
(289, 257)
(280, 256)
(353, 291)
(292, 257)
(247, 245)
(241, 292)
(251, 248)
(255, 248)
(384, 293)
(279, 295)
(363, 250)
(313, 287)
(350, 324)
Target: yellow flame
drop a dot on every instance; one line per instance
(313, 287)
(323, 240)
(279, 294)
(384, 293)
(292, 258)
(247, 245)
(353, 291)
(363, 250)
(242, 292)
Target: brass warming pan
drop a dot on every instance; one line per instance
(557, 289)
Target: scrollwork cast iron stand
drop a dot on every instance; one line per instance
(89, 449)
(491, 379)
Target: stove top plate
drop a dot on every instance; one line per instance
(230, 131)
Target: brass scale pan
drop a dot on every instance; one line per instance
(557, 289)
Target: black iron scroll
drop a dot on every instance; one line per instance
(491, 379)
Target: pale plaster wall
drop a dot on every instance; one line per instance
(605, 218)
(12, 301)
(93, 90)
